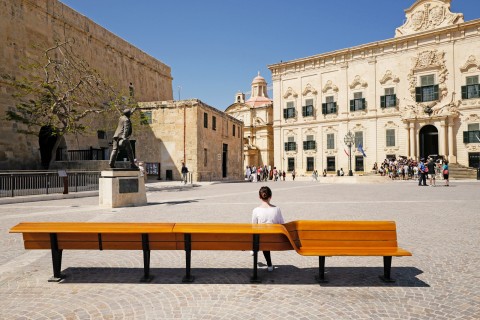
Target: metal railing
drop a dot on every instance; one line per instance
(14, 184)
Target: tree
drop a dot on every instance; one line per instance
(60, 95)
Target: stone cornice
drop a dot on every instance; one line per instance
(374, 48)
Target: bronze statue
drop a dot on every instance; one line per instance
(121, 139)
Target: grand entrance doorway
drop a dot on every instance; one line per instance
(428, 141)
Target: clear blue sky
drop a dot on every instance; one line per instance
(216, 47)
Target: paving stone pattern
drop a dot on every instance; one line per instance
(440, 281)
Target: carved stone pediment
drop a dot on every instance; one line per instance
(389, 76)
(427, 15)
(358, 82)
(290, 92)
(329, 86)
(471, 63)
(308, 89)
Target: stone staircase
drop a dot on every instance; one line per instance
(459, 172)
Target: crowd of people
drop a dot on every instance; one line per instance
(409, 169)
(257, 174)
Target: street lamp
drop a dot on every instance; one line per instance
(349, 141)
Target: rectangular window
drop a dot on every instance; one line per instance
(205, 120)
(331, 164)
(205, 153)
(233, 131)
(358, 138)
(473, 127)
(390, 136)
(428, 90)
(291, 164)
(307, 110)
(359, 163)
(102, 135)
(472, 89)
(330, 106)
(309, 144)
(289, 112)
(358, 102)
(473, 133)
(310, 163)
(146, 117)
(214, 123)
(290, 145)
(331, 141)
(389, 100)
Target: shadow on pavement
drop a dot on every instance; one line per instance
(282, 275)
(172, 203)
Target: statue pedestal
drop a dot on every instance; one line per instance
(121, 188)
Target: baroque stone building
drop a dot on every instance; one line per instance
(414, 95)
(27, 23)
(208, 140)
(257, 116)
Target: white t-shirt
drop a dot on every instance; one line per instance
(267, 215)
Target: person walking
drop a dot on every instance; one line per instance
(267, 213)
(293, 174)
(445, 173)
(184, 173)
(284, 174)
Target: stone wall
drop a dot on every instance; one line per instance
(26, 23)
(177, 133)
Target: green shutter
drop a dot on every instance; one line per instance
(286, 146)
(324, 108)
(305, 145)
(304, 111)
(364, 104)
(285, 113)
(418, 94)
(464, 93)
(465, 137)
(383, 103)
(395, 100)
(294, 146)
(334, 110)
(314, 144)
(435, 92)
(352, 105)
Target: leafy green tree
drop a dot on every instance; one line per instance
(61, 94)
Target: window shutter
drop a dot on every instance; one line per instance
(334, 110)
(394, 99)
(286, 146)
(418, 94)
(324, 108)
(465, 136)
(294, 146)
(305, 145)
(364, 104)
(464, 92)
(352, 105)
(304, 111)
(285, 113)
(314, 144)
(383, 104)
(435, 92)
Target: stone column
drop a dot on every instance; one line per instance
(442, 138)
(412, 140)
(451, 140)
(407, 145)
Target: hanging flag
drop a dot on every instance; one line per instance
(348, 155)
(360, 149)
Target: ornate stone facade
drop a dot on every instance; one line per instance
(27, 23)
(257, 116)
(413, 95)
(208, 140)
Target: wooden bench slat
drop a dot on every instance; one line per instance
(34, 245)
(341, 244)
(91, 227)
(239, 228)
(340, 225)
(346, 235)
(359, 251)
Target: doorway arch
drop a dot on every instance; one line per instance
(428, 141)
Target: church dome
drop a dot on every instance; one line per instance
(259, 80)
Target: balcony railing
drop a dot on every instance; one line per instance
(14, 184)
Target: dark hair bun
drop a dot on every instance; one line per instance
(265, 193)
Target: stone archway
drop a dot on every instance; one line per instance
(428, 141)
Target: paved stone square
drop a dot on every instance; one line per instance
(440, 226)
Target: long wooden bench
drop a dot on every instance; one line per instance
(308, 238)
(346, 238)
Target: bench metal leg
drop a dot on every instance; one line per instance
(387, 267)
(56, 259)
(188, 257)
(321, 270)
(146, 259)
(256, 248)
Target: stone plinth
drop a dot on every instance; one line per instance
(121, 188)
